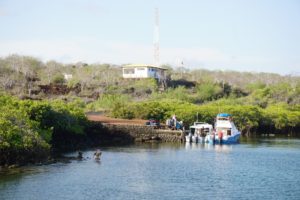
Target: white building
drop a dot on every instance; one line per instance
(143, 71)
(68, 76)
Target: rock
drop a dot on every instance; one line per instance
(155, 138)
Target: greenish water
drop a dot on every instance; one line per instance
(258, 168)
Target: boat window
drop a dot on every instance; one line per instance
(229, 132)
(222, 118)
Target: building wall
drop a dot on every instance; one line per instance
(156, 73)
(143, 72)
(138, 72)
(152, 72)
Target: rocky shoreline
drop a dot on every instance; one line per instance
(142, 133)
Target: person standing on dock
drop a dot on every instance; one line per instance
(174, 120)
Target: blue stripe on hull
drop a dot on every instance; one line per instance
(231, 140)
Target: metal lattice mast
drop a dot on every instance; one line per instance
(156, 38)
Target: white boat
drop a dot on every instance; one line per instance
(225, 131)
(198, 132)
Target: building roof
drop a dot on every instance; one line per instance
(143, 65)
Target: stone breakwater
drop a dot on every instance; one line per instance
(142, 133)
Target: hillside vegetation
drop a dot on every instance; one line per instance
(262, 102)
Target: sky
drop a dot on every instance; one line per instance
(240, 35)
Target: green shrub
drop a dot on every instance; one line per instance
(121, 111)
(29, 128)
(108, 102)
(58, 79)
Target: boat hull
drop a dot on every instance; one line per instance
(194, 139)
(227, 140)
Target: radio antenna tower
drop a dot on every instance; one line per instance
(156, 38)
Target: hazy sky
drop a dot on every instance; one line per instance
(252, 35)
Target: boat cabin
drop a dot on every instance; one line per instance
(201, 129)
(224, 124)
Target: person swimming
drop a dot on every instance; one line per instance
(97, 154)
(79, 155)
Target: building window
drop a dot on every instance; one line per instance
(141, 68)
(128, 71)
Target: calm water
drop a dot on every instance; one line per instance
(255, 169)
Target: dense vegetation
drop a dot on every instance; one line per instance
(277, 118)
(32, 127)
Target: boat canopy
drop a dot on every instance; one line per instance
(199, 125)
(224, 115)
(202, 126)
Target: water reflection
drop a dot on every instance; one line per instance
(223, 148)
(282, 142)
(206, 146)
(98, 161)
(166, 171)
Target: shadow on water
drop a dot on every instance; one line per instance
(142, 147)
(19, 173)
(7, 175)
(271, 141)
